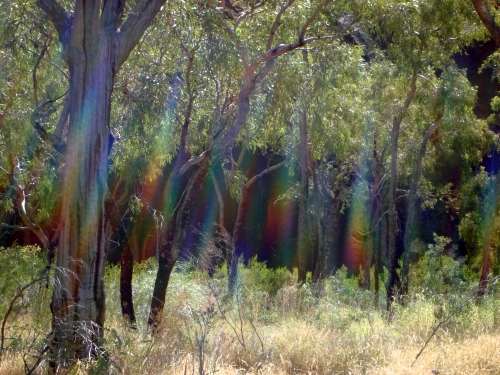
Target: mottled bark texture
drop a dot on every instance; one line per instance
(95, 44)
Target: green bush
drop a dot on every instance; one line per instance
(257, 277)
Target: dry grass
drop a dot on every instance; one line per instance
(291, 332)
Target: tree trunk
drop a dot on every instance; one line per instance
(126, 273)
(172, 242)
(95, 45)
(412, 198)
(490, 230)
(318, 269)
(303, 235)
(375, 214)
(78, 299)
(393, 215)
(238, 226)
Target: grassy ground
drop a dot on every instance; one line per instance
(273, 326)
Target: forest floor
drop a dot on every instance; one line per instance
(273, 326)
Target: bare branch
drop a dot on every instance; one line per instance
(56, 138)
(15, 227)
(11, 307)
(276, 24)
(192, 161)
(247, 13)
(311, 19)
(35, 228)
(282, 49)
(270, 169)
(35, 68)
(133, 28)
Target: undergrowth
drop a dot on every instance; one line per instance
(271, 325)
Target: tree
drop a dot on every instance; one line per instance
(95, 43)
(255, 70)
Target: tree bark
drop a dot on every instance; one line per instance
(391, 281)
(490, 232)
(172, 242)
(375, 213)
(318, 270)
(487, 19)
(303, 235)
(126, 274)
(94, 48)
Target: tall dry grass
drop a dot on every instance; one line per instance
(273, 326)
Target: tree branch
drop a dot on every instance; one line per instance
(192, 161)
(311, 19)
(282, 49)
(59, 17)
(270, 169)
(133, 28)
(276, 24)
(247, 13)
(35, 228)
(487, 20)
(112, 14)
(15, 227)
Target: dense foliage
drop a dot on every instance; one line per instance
(347, 144)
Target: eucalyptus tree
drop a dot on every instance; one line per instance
(444, 109)
(95, 43)
(428, 33)
(257, 52)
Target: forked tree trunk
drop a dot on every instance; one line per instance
(172, 242)
(255, 71)
(95, 45)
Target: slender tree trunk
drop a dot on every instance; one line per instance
(375, 213)
(303, 235)
(412, 198)
(238, 226)
(126, 273)
(318, 270)
(393, 215)
(114, 223)
(172, 242)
